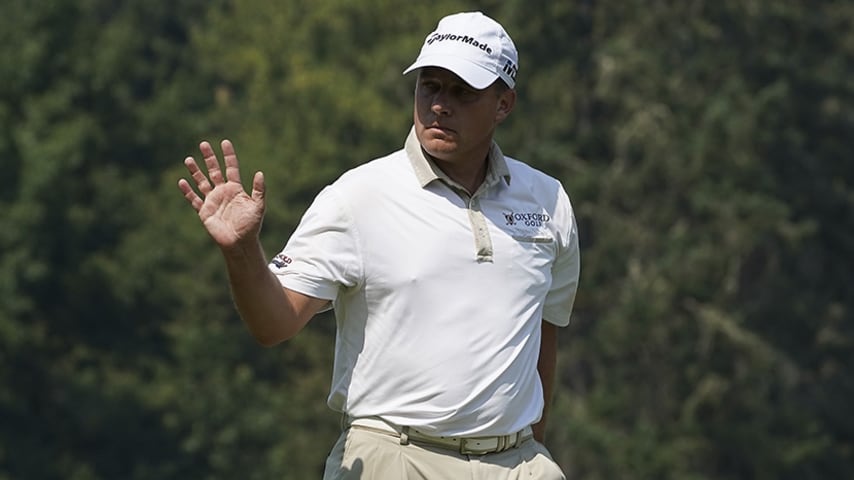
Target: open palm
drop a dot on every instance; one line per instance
(229, 214)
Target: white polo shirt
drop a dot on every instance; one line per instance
(438, 297)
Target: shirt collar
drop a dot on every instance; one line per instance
(427, 172)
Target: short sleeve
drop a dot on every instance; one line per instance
(322, 256)
(566, 268)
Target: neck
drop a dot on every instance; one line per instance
(468, 174)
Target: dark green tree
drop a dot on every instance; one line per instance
(92, 96)
(704, 144)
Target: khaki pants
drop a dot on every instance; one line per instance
(365, 455)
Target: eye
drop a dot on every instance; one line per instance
(465, 94)
(430, 86)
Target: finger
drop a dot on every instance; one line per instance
(232, 169)
(259, 190)
(198, 175)
(212, 163)
(192, 197)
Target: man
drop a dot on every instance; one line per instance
(449, 267)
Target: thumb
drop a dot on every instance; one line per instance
(258, 188)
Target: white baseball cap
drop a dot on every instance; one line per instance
(473, 46)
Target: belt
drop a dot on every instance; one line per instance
(463, 445)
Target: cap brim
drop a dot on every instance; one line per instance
(473, 74)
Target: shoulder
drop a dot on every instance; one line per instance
(523, 175)
(364, 185)
(391, 168)
(543, 190)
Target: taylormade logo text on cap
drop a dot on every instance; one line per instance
(437, 37)
(473, 46)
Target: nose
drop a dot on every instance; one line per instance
(439, 104)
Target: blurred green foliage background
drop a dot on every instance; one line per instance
(707, 147)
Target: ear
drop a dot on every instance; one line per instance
(506, 102)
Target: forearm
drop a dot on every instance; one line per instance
(546, 367)
(266, 309)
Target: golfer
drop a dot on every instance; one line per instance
(449, 267)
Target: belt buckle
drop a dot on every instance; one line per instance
(465, 449)
(496, 444)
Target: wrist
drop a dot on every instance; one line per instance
(244, 253)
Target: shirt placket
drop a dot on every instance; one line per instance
(479, 227)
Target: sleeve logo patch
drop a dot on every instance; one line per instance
(281, 260)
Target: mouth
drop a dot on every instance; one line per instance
(440, 128)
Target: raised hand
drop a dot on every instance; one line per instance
(229, 214)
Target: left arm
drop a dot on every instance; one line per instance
(546, 367)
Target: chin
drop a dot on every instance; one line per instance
(439, 149)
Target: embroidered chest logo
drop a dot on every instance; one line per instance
(530, 219)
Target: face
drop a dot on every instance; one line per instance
(453, 121)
